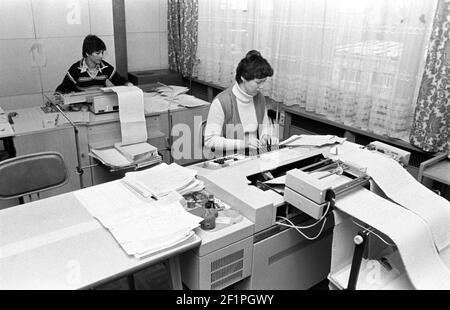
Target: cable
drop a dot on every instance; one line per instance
(313, 224)
(297, 228)
(299, 231)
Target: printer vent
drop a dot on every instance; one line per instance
(230, 279)
(226, 260)
(227, 269)
(221, 273)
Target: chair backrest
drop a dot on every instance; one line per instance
(31, 174)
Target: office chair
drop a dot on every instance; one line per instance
(31, 174)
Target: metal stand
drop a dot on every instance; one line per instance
(80, 171)
(360, 245)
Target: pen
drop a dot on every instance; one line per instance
(138, 190)
(56, 119)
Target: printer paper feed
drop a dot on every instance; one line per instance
(423, 265)
(131, 113)
(401, 187)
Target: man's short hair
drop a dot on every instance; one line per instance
(92, 44)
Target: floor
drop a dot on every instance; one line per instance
(157, 278)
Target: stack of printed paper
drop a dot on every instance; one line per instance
(188, 101)
(138, 151)
(140, 226)
(111, 157)
(172, 90)
(161, 180)
(169, 97)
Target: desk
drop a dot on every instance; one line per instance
(55, 243)
(32, 136)
(435, 169)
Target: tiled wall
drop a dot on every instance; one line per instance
(40, 39)
(146, 23)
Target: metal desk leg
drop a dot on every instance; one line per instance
(174, 270)
(360, 244)
(8, 144)
(130, 280)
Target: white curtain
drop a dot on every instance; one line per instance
(358, 62)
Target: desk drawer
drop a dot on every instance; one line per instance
(107, 132)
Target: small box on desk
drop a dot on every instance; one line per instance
(164, 76)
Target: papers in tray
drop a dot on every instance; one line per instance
(111, 157)
(161, 180)
(166, 96)
(312, 140)
(172, 90)
(137, 151)
(141, 227)
(188, 101)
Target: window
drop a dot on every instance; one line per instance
(357, 62)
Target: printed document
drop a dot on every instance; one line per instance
(162, 179)
(131, 113)
(140, 226)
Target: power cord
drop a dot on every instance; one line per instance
(298, 228)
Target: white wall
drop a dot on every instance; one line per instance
(146, 23)
(40, 39)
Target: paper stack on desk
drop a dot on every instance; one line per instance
(141, 227)
(172, 90)
(161, 180)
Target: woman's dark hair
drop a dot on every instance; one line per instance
(91, 44)
(253, 66)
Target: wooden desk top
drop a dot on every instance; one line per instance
(55, 243)
(439, 172)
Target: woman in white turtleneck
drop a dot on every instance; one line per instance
(237, 118)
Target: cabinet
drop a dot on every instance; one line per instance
(179, 128)
(185, 135)
(107, 133)
(31, 136)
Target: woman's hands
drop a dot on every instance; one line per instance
(269, 140)
(252, 143)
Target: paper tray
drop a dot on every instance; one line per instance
(114, 160)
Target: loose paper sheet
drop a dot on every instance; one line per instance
(140, 226)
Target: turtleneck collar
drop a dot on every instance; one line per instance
(241, 94)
